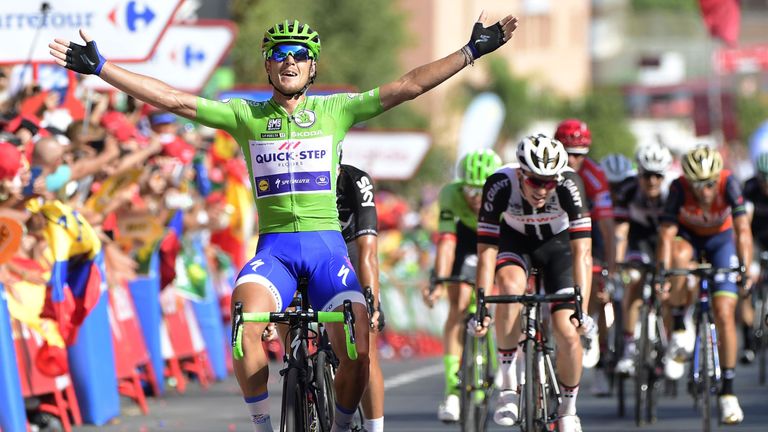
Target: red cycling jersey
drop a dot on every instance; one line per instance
(597, 189)
(683, 208)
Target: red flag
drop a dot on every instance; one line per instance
(722, 18)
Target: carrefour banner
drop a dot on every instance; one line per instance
(125, 30)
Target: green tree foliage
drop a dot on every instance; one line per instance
(604, 112)
(666, 5)
(361, 41)
(751, 112)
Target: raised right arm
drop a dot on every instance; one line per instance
(150, 90)
(85, 59)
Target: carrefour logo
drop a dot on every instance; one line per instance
(137, 15)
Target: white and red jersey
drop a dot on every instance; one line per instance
(597, 189)
(503, 203)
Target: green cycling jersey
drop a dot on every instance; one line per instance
(292, 159)
(454, 206)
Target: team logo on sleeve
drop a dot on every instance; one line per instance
(304, 118)
(274, 124)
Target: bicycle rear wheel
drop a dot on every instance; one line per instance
(294, 416)
(326, 395)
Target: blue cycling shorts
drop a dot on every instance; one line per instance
(320, 256)
(720, 251)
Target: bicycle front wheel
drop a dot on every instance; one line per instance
(326, 395)
(531, 382)
(642, 368)
(469, 372)
(294, 417)
(705, 360)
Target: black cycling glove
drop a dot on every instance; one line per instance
(85, 59)
(485, 39)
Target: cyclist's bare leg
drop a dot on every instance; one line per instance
(458, 300)
(682, 256)
(568, 348)
(352, 375)
(725, 321)
(631, 303)
(569, 356)
(373, 398)
(252, 371)
(511, 280)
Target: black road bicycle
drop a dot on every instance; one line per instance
(540, 390)
(308, 402)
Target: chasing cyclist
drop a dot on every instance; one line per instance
(756, 193)
(704, 209)
(577, 139)
(639, 203)
(536, 216)
(293, 181)
(459, 204)
(355, 200)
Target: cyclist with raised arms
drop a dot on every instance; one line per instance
(577, 139)
(536, 216)
(293, 181)
(459, 204)
(704, 209)
(639, 201)
(355, 200)
(756, 194)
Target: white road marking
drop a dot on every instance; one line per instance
(414, 375)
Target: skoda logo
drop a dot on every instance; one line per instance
(304, 118)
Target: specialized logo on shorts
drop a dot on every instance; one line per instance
(274, 124)
(343, 273)
(256, 264)
(304, 118)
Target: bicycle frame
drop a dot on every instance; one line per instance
(535, 346)
(299, 364)
(704, 308)
(704, 383)
(478, 366)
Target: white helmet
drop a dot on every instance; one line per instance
(541, 155)
(653, 157)
(617, 167)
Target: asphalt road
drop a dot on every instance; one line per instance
(413, 391)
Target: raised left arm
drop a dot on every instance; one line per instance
(422, 79)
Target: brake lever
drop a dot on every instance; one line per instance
(237, 320)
